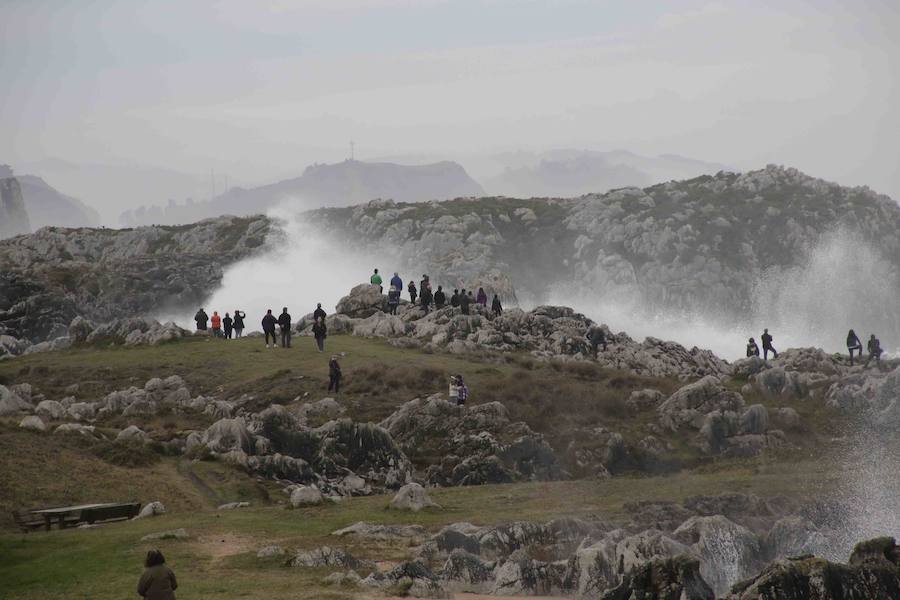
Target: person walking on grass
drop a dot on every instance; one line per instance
(853, 344)
(874, 348)
(216, 322)
(320, 332)
(767, 345)
(268, 327)
(496, 307)
(334, 374)
(375, 279)
(158, 581)
(284, 322)
(412, 292)
(319, 313)
(201, 319)
(239, 317)
(227, 326)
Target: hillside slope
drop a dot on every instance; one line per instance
(50, 207)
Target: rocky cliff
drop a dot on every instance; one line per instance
(13, 215)
(48, 206)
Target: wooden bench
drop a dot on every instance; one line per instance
(118, 512)
(27, 521)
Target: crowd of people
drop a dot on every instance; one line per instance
(853, 345)
(428, 298)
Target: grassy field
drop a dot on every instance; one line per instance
(219, 560)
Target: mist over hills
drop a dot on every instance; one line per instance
(341, 184)
(31, 203)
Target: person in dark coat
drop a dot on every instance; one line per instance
(393, 300)
(227, 325)
(334, 375)
(412, 292)
(767, 345)
(158, 581)
(268, 326)
(482, 297)
(597, 337)
(202, 320)
(440, 298)
(465, 301)
(454, 299)
(284, 322)
(462, 391)
(319, 313)
(239, 317)
(320, 332)
(874, 348)
(853, 344)
(397, 282)
(425, 295)
(752, 348)
(496, 307)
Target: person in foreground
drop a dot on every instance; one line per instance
(158, 581)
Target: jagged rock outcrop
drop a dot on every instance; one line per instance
(13, 214)
(675, 578)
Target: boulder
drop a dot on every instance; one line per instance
(728, 551)
(676, 578)
(226, 435)
(794, 536)
(522, 575)
(414, 578)
(363, 301)
(690, 404)
(11, 403)
(153, 509)
(32, 422)
(370, 531)
(269, 551)
(85, 430)
(641, 400)
(755, 420)
(233, 505)
(412, 497)
(324, 556)
(324, 409)
(50, 409)
(79, 329)
(350, 578)
(132, 433)
(81, 411)
(306, 495)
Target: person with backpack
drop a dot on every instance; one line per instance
(874, 348)
(752, 348)
(158, 581)
(319, 313)
(412, 292)
(201, 319)
(440, 298)
(320, 332)
(767, 345)
(239, 317)
(216, 323)
(496, 307)
(375, 279)
(853, 344)
(227, 325)
(393, 299)
(268, 326)
(284, 322)
(334, 374)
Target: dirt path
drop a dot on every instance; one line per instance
(223, 545)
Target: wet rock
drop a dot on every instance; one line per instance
(794, 536)
(728, 551)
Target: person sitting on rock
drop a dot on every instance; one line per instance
(482, 297)
(853, 344)
(284, 322)
(752, 348)
(202, 319)
(454, 299)
(239, 317)
(440, 298)
(397, 282)
(375, 279)
(320, 332)
(597, 337)
(268, 327)
(319, 313)
(412, 292)
(767, 345)
(874, 347)
(158, 581)
(496, 307)
(462, 391)
(393, 299)
(334, 374)
(216, 323)
(464, 302)
(227, 325)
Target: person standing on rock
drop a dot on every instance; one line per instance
(853, 344)
(412, 292)
(393, 299)
(752, 348)
(201, 319)
(597, 337)
(284, 322)
(334, 374)
(453, 393)
(227, 325)
(874, 347)
(320, 332)
(454, 299)
(462, 391)
(216, 323)
(268, 327)
(482, 297)
(397, 282)
(375, 279)
(319, 313)
(425, 295)
(496, 307)
(464, 302)
(239, 317)
(158, 581)
(440, 298)
(767, 345)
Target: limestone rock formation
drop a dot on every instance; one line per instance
(13, 214)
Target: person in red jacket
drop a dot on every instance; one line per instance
(216, 322)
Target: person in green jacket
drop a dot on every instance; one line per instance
(158, 581)
(375, 279)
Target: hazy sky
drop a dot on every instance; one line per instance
(266, 87)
